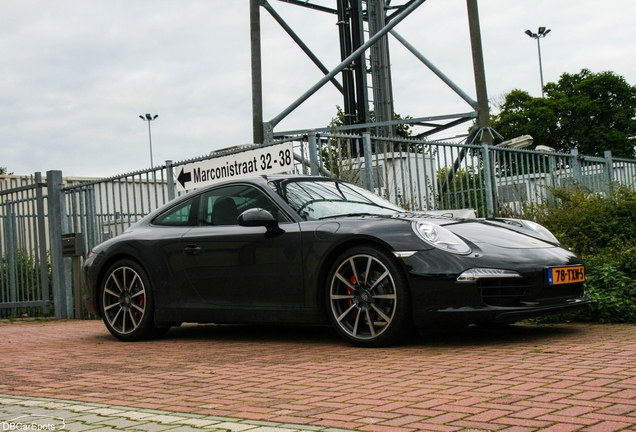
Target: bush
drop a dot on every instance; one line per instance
(600, 228)
(28, 282)
(613, 295)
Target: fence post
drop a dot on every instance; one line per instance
(44, 274)
(609, 167)
(313, 153)
(91, 219)
(488, 184)
(170, 180)
(552, 181)
(368, 161)
(60, 268)
(12, 250)
(576, 166)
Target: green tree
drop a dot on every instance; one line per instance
(591, 112)
(402, 130)
(466, 189)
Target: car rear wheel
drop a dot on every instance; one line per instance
(368, 300)
(127, 302)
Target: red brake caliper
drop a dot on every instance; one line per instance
(142, 300)
(353, 281)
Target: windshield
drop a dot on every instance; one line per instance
(322, 199)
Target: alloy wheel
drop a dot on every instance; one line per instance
(363, 297)
(124, 300)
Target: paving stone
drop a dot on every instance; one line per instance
(185, 429)
(80, 427)
(199, 422)
(234, 427)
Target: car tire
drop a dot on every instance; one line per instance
(368, 299)
(127, 302)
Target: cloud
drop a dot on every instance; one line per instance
(76, 75)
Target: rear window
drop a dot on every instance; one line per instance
(176, 216)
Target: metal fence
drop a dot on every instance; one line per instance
(422, 175)
(24, 271)
(105, 208)
(415, 174)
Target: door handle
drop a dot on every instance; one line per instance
(192, 250)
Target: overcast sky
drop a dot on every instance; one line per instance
(76, 74)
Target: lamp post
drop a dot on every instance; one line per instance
(541, 33)
(148, 118)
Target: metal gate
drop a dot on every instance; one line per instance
(25, 269)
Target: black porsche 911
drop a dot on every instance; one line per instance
(313, 250)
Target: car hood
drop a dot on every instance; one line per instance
(483, 231)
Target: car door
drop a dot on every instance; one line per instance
(232, 265)
(170, 280)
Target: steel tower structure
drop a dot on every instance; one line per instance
(365, 83)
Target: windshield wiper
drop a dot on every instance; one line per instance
(350, 215)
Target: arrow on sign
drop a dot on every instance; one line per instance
(184, 177)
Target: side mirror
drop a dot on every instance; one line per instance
(258, 217)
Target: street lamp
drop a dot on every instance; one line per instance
(148, 118)
(541, 33)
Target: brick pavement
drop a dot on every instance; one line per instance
(566, 377)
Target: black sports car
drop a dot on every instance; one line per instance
(313, 250)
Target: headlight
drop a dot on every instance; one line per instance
(440, 237)
(541, 231)
(537, 230)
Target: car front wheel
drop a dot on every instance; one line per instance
(368, 299)
(127, 302)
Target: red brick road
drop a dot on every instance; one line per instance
(526, 378)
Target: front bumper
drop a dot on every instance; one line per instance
(90, 280)
(439, 298)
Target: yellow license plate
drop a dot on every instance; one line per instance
(565, 275)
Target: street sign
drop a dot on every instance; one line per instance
(274, 159)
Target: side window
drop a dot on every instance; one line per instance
(223, 206)
(177, 216)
